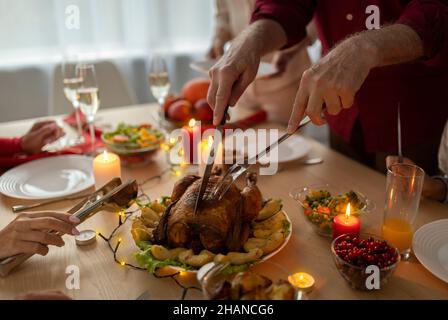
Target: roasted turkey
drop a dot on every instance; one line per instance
(219, 225)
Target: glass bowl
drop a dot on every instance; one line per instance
(130, 157)
(356, 276)
(321, 218)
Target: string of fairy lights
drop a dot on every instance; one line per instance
(124, 215)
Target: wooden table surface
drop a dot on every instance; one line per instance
(101, 278)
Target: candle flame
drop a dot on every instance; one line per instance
(301, 277)
(105, 155)
(173, 140)
(347, 211)
(210, 141)
(192, 122)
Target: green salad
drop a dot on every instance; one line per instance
(134, 136)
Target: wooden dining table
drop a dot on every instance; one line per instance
(101, 278)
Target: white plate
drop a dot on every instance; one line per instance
(293, 148)
(48, 178)
(265, 69)
(430, 245)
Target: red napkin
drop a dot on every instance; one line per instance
(71, 120)
(86, 146)
(258, 117)
(7, 162)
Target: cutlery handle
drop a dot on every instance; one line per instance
(9, 264)
(23, 207)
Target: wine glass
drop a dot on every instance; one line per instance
(88, 97)
(71, 84)
(159, 81)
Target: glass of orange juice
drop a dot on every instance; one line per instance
(403, 191)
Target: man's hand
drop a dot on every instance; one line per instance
(28, 233)
(40, 134)
(238, 67)
(333, 81)
(217, 49)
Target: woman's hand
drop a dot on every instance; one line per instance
(40, 134)
(29, 233)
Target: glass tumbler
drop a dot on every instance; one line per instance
(403, 191)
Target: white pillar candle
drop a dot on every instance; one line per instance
(106, 166)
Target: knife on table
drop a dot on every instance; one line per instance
(210, 162)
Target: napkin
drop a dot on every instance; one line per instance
(7, 162)
(252, 120)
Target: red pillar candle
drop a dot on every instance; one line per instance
(191, 136)
(345, 223)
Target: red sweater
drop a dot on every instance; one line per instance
(10, 146)
(420, 87)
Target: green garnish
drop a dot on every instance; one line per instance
(146, 260)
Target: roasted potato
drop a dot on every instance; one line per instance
(281, 290)
(149, 217)
(157, 207)
(273, 223)
(270, 208)
(162, 253)
(140, 232)
(198, 260)
(266, 245)
(238, 258)
(245, 282)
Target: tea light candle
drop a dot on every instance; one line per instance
(106, 166)
(302, 280)
(345, 223)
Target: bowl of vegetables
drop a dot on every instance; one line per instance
(135, 144)
(321, 203)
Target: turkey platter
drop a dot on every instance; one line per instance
(241, 228)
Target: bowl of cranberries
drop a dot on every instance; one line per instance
(354, 256)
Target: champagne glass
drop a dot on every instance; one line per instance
(159, 81)
(88, 97)
(71, 83)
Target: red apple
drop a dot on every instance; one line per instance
(203, 111)
(169, 100)
(180, 110)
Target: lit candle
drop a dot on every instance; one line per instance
(345, 223)
(106, 166)
(203, 151)
(191, 137)
(187, 140)
(302, 280)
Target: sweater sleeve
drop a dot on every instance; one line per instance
(429, 18)
(292, 15)
(10, 146)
